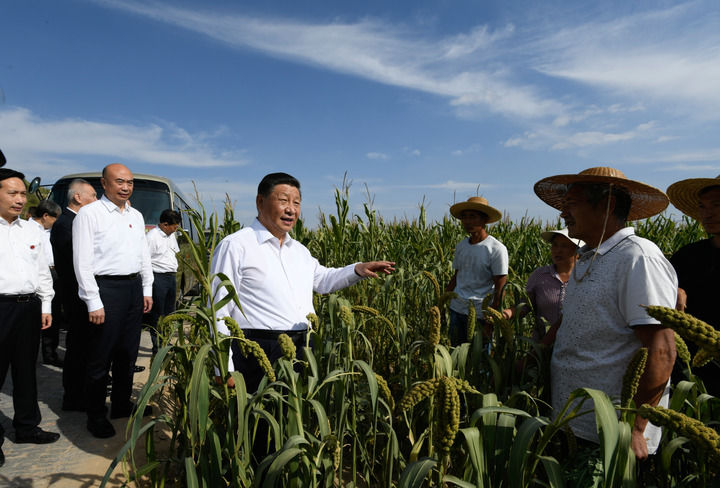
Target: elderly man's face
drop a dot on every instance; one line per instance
(280, 210)
(709, 210)
(85, 194)
(13, 196)
(583, 220)
(118, 184)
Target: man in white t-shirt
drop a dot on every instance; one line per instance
(480, 263)
(604, 323)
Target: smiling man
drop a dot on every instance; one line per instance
(698, 264)
(603, 322)
(114, 274)
(275, 276)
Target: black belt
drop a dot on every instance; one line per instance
(131, 276)
(267, 334)
(18, 298)
(165, 272)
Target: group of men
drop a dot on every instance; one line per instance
(105, 267)
(603, 320)
(275, 276)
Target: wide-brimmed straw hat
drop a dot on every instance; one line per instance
(646, 200)
(685, 194)
(476, 203)
(548, 236)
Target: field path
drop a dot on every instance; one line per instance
(77, 459)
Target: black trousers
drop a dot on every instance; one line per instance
(113, 345)
(77, 347)
(164, 291)
(249, 367)
(20, 325)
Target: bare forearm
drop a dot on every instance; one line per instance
(654, 380)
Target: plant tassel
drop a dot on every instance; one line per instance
(287, 346)
(435, 325)
(631, 378)
(704, 437)
(689, 327)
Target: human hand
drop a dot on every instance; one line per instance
(639, 444)
(147, 304)
(45, 321)
(97, 317)
(681, 300)
(372, 268)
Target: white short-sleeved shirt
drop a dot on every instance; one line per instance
(476, 264)
(163, 249)
(596, 341)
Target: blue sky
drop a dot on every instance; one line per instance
(432, 101)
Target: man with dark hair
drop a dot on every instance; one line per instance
(698, 264)
(112, 266)
(80, 193)
(25, 308)
(163, 247)
(604, 323)
(480, 263)
(44, 216)
(275, 276)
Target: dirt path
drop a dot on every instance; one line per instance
(77, 459)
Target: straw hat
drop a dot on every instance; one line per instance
(549, 234)
(646, 200)
(476, 203)
(685, 194)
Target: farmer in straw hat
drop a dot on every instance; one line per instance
(698, 264)
(603, 322)
(480, 263)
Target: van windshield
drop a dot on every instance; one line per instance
(149, 197)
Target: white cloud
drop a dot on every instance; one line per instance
(671, 55)
(53, 146)
(377, 155)
(452, 67)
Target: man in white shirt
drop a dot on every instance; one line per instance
(80, 193)
(163, 246)
(275, 276)
(481, 266)
(603, 322)
(25, 302)
(112, 266)
(44, 216)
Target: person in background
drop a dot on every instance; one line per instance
(26, 295)
(546, 286)
(44, 216)
(698, 264)
(604, 323)
(80, 193)
(163, 247)
(112, 266)
(480, 263)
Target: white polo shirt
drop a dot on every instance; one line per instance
(595, 341)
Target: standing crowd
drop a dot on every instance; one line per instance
(92, 266)
(109, 272)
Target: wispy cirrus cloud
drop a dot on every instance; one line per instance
(463, 68)
(41, 143)
(377, 156)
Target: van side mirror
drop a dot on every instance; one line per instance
(34, 186)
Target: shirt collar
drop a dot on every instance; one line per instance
(264, 235)
(17, 221)
(110, 206)
(611, 242)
